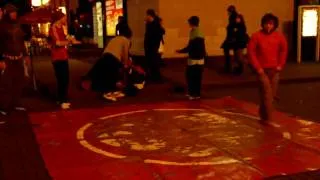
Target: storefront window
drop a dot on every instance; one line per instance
(39, 2)
(114, 9)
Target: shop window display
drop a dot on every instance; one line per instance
(114, 9)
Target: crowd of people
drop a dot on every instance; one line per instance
(116, 75)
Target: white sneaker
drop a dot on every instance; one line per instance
(18, 108)
(65, 106)
(140, 86)
(110, 97)
(194, 97)
(118, 94)
(3, 113)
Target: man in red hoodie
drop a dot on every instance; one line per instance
(267, 51)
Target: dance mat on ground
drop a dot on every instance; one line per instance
(209, 139)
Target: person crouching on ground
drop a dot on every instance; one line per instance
(105, 74)
(134, 80)
(197, 52)
(267, 51)
(59, 51)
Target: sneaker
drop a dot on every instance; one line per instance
(140, 86)
(19, 108)
(65, 106)
(3, 113)
(110, 97)
(194, 97)
(118, 94)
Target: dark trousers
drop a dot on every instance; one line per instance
(153, 59)
(268, 86)
(105, 74)
(12, 82)
(194, 80)
(61, 70)
(238, 57)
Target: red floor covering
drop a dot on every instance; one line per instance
(209, 139)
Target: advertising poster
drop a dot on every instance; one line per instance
(309, 22)
(114, 9)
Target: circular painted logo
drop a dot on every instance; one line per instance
(180, 137)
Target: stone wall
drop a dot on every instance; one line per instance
(136, 16)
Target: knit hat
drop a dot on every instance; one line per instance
(9, 8)
(57, 15)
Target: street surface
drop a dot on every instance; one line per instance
(50, 142)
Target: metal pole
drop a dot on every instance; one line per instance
(318, 37)
(299, 34)
(33, 74)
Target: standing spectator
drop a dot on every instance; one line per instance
(197, 52)
(153, 36)
(161, 48)
(268, 54)
(229, 42)
(14, 56)
(122, 23)
(241, 39)
(1, 14)
(59, 52)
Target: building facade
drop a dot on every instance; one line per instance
(213, 17)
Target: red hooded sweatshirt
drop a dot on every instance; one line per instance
(268, 50)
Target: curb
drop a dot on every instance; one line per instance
(248, 83)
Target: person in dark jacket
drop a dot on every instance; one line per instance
(239, 31)
(161, 48)
(153, 37)
(229, 42)
(1, 14)
(122, 23)
(197, 51)
(13, 59)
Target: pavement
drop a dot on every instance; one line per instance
(213, 76)
(28, 145)
(209, 139)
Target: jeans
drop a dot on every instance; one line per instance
(153, 60)
(194, 80)
(268, 86)
(105, 74)
(12, 82)
(238, 57)
(61, 70)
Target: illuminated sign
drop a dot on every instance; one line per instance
(63, 9)
(114, 9)
(310, 22)
(39, 2)
(99, 18)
